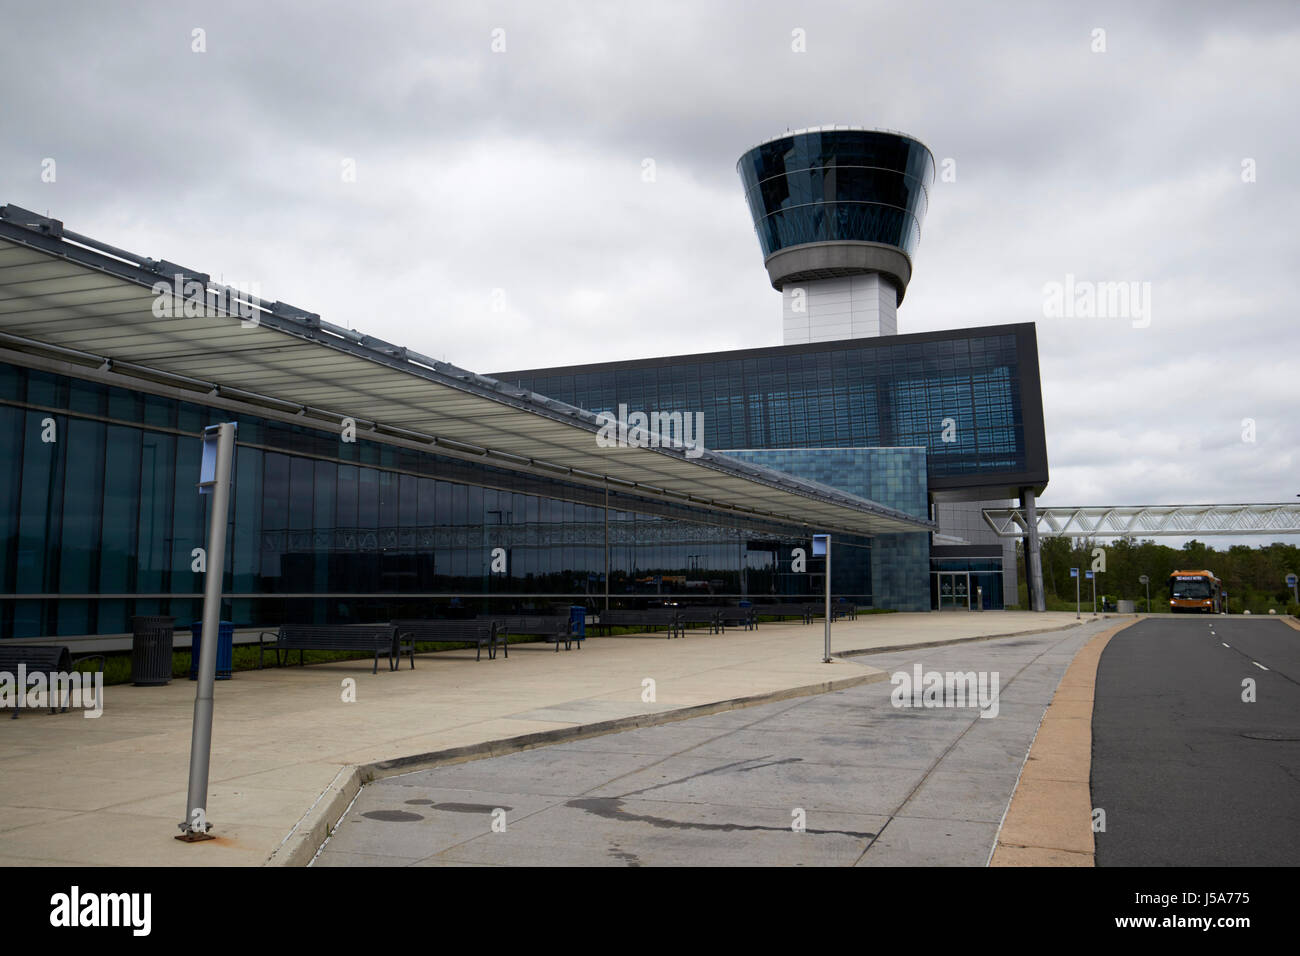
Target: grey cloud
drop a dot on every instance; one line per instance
(1115, 166)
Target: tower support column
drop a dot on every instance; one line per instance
(1033, 559)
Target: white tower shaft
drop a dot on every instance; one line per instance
(851, 307)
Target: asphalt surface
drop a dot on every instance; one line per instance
(872, 783)
(1187, 772)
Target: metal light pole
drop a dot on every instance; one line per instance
(1074, 573)
(214, 479)
(822, 545)
(828, 601)
(1147, 581)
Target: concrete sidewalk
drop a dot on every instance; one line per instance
(850, 777)
(287, 749)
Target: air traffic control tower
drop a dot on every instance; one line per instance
(838, 212)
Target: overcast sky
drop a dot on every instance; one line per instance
(515, 177)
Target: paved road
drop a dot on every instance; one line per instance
(877, 784)
(1187, 772)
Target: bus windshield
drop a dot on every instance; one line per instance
(1199, 588)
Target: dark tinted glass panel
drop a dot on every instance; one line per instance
(838, 185)
(82, 513)
(960, 398)
(11, 436)
(41, 487)
(112, 508)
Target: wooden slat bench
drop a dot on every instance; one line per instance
(782, 611)
(737, 617)
(476, 631)
(553, 629)
(379, 638)
(701, 615)
(648, 618)
(44, 659)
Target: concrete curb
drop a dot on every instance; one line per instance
(890, 648)
(300, 846)
(1048, 821)
(313, 828)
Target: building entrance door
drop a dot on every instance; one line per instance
(954, 590)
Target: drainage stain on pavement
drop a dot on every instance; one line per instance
(405, 816)
(611, 808)
(739, 766)
(469, 807)
(618, 853)
(392, 816)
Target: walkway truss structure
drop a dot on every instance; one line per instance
(1135, 521)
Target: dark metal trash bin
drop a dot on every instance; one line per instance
(577, 620)
(225, 649)
(151, 650)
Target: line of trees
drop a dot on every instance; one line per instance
(1255, 578)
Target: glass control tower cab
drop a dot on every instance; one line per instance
(838, 212)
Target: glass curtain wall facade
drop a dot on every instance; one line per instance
(899, 391)
(891, 476)
(100, 516)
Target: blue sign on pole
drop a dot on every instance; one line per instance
(1088, 574)
(1290, 580)
(1074, 572)
(819, 545)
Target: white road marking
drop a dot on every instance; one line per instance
(1259, 665)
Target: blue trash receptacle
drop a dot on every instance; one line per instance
(225, 649)
(577, 620)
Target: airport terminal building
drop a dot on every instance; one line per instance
(372, 482)
(937, 424)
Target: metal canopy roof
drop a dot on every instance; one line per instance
(68, 295)
(1134, 521)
